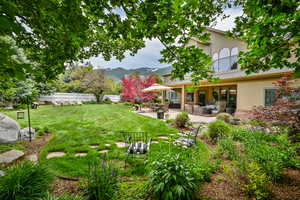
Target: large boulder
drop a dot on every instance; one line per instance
(9, 130)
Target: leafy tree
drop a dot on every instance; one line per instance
(55, 33)
(272, 33)
(96, 83)
(132, 87)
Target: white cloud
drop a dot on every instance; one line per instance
(150, 55)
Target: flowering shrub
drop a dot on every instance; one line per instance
(285, 110)
(132, 87)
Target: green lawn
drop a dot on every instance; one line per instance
(75, 128)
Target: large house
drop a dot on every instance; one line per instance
(236, 92)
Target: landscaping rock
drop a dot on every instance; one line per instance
(32, 158)
(103, 151)
(24, 133)
(2, 173)
(9, 130)
(120, 144)
(10, 156)
(80, 154)
(163, 137)
(55, 154)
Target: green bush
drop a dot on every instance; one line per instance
(226, 146)
(102, 180)
(224, 117)
(107, 101)
(257, 182)
(25, 181)
(218, 129)
(130, 104)
(157, 100)
(170, 121)
(171, 178)
(182, 119)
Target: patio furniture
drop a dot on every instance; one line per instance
(136, 143)
(189, 138)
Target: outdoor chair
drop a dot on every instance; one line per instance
(136, 143)
(189, 138)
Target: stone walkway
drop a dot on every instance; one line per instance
(174, 112)
(10, 156)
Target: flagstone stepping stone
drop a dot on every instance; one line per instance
(32, 158)
(107, 145)
(10, 156)
(55, 154)
(80, 154)
(94, 146)
(163, 137)
(172, 134)
(103, 151)
(120, 144)
(154, 142)
(2, 173)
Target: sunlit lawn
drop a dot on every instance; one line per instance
(75, 128)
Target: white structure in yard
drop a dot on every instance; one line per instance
(77, 97)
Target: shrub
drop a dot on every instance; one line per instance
(170, 121)
(257, 182)
(224, 117)
(107, 101)
(130, 104)
(217, 129)
(171, 178)
(157, 100)
(182, 119)
(25, 181)
(102, 180)
(227, 146)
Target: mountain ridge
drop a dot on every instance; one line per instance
(119, 72)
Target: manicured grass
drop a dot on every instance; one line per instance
(75, 128)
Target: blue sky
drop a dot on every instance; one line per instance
(150, 55)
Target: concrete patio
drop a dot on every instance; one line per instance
(173, 113)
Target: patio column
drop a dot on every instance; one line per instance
(182, 98)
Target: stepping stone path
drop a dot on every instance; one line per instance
(163, 137)
(94, 146)
(103, 151)
(80, 154)
(32, 158)
(107, 145)
(10, 156)
(154, 142)
(120, 144)
(55, 154)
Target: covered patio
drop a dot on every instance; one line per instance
(172, 113)
(203, 100)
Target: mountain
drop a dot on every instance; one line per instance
(118, 73)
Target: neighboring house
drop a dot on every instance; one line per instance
(238, 92)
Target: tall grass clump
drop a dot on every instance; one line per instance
(182, 120)
(171, 178)
(102, 180)
(25, 181)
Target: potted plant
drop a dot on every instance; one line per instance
(160, 114)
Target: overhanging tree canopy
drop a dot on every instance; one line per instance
(53, 33)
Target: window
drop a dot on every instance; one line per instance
(190, 97)
(234, 58)
(202, 98)
(270, 96)
(215, 62)
(224, 60)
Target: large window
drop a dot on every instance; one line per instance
(225, 60)
(270, 96)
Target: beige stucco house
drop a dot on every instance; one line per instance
(238, 92)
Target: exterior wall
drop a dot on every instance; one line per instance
(252, 93)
